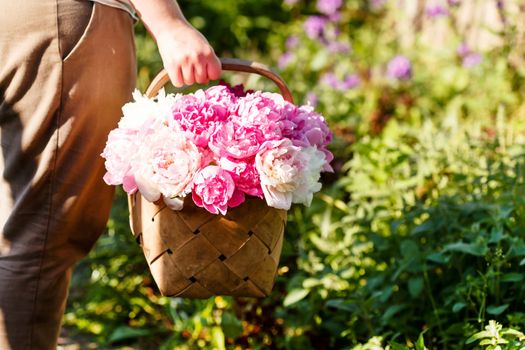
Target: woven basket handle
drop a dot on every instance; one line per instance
(230, 64)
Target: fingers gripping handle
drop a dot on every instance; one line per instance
(229, 64)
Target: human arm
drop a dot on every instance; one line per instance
(186, 54)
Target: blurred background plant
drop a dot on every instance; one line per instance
(418, 238)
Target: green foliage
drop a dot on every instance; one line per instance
(494, 337)
(416, 241)
(429, 237)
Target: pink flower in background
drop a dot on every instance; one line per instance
(244, 174)
(399, 68)
(285, 60)
(330, 79)
(329, 7)
(214, 190)
(338, 47)
(350, 81)
(312, 98)
(436, 10)
(468, 57)
(292, 41)
(471, 60)
(377, 5)
(314, 26)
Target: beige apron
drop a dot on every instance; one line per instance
(66, 68)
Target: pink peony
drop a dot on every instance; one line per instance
(118, 153)
(261, 110)
(313, 161)
(289, 173)
(279, 165)
(221, 95)
(198, 116)
(166, 164)
(307, 128)
(244, 175)
(220, 144)
(143, 110)
(214, 190)
(233, 140)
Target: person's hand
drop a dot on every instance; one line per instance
(187, 56)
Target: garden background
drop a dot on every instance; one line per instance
(417, 239)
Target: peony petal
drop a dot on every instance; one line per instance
(236, 199)
(129, 184)
(276, 199)
(147, 188)
(197, 200)
(222, 209)
(175, 203)
(109, 179)
(212, 209)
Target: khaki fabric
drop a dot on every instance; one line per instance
(61, 89)
(120, 4)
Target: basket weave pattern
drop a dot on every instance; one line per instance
(193, 253)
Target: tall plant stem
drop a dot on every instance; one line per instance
(434, 306)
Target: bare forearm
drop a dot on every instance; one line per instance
(160, 15)
(186, 54)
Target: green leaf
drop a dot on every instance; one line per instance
(477, 336)
(409, 249)
(517, 250)
(424, 227)
(324, 245)
(311, 282)
(467, 248)
(415, 286)
(512, 277)
(439, 258)
(522, 262)
(231, 325)
(496, 235)
(458, 306)
(486, 342)
(420, 343)
(218, 339)
(391, 311)
(126, 332)
(385, 294)
(514, 333)
(496, 310)
(397, 346)
(294, 296)
(342, 305)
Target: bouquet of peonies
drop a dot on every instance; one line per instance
(220, 145)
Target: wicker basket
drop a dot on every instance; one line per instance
(193, 253)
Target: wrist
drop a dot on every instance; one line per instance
(168, 26)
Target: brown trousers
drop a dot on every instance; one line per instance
(66, 68)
